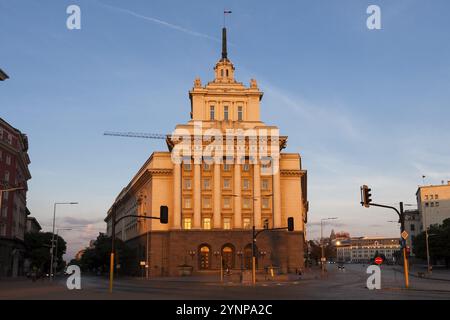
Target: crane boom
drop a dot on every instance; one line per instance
(136, 135)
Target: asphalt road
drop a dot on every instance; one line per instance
(338, 285)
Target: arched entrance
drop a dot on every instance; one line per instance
(248, 257)
(228, 256)
(204, 255)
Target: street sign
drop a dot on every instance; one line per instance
(378, 260)
(405, 235)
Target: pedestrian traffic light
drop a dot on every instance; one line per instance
(164, 214)
(290, 224)
(366, 196)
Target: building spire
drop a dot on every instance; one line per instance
(224, 43)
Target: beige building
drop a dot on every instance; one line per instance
(223, 173)
(363, 249)
(433, 203)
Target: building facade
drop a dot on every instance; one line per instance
(217, 186)
(413, 226)
(14, 172)
(33, 225)
(363, 249)
(433, 203)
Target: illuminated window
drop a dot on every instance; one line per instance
(227, 223)
(207, 223)
(265, 203)
(246, 223)
(246, 203)
(187, 203)
(187, 223)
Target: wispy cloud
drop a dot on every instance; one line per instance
(80, 221)
(160, 22)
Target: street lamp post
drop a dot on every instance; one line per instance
(53, 234)
(56, 249)
(321, 242)
(429, 267)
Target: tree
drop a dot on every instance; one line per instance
(97, 258)
(38, 245)
(438, 240)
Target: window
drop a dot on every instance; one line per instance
(246, 203)
(426, 197)
(227, 223)
(266, 223)
(265, 203)
(187, 166)
(413, 227)
(206, 202)
(437, 204)
(226, 183)
(187, 203)
(2, 230)
(225, 113)
(226, 72)
(246, 223)
(246, 184)
(226, 167)
(6, 176)
(206, 184)
(226, 203)
(206, 167)
(5, 195)
(436, 197)
(426, 204)
(8, 159)
(187, 223)
(211, 113)
(187, 184)
(240, 114)
(432, 204)
(265, 184)
(5, 212)
(431, 197)
(207, 223)
(246, 167)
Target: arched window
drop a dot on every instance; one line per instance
(228, 256)
(204, 257)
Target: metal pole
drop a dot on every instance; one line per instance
(147, 266)
(253, 256)
(405, 258)
(426, 239)
(111, 259)
(55, 265)
(52, 246)
(321, 245)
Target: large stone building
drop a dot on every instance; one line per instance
(14, 172)
(364, 249)
(223, 173)
(433, 203)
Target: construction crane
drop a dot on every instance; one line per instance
(137, 135)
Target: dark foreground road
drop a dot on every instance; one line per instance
(347, 285)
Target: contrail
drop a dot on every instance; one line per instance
(161, 22)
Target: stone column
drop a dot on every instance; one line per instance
(237, 196)
(277, 223)
(217, 198)
(176, 220)
(197, 196)
(257, 195)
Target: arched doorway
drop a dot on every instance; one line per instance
(228, 256)
(248, 257)
(204, 255)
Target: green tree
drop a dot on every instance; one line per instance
(438, 240)
(38, 246)
(97, 258)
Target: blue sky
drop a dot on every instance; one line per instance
(360, 106)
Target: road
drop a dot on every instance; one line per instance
(338, 285)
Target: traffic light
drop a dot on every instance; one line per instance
(290, 224)
(366, 196)
(164, 214)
